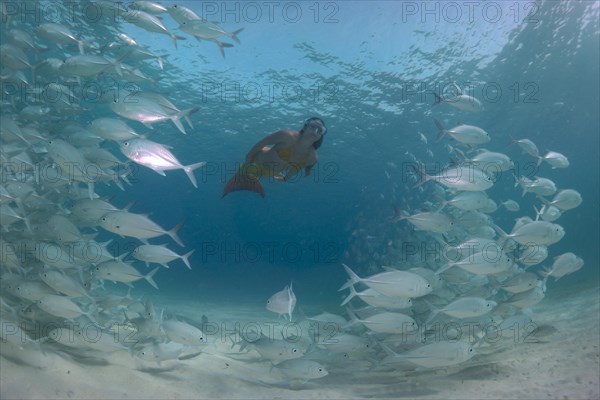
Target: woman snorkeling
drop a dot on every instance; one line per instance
(280, 155)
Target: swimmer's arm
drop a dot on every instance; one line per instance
(312, 160)
(275, 138)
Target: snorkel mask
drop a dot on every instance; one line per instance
(316, 124)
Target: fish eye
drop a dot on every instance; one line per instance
(294, 350)
(320, 369)
(470, 349)
(125, 144)
(428, 285)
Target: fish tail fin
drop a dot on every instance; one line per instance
(539, 161)
(233, 35)
(538, 213)
(423, 177)
(81, 44)
(185, 258)
(353, 278)
(543, 200)
(173, 234)
(441, 239)
(353, 319)
(511, 141)
(500, 231)
(444, 268)
(352, 294)
(460, 155)
(388, 349)
(397, 214)
(116, 64)
(175, 38)
(243, 180)
(179, 125)
(434, 311)
(546, 272)
(502, 234)
(149, 276)
(222, 46)
(516, 178)
(442, 130)
(161, 62)
(189, 170)
(186, 115)
(438, 100)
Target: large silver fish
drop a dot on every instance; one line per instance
(150, 108)
(157, 157)
(135, 225)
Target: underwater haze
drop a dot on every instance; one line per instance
(411, 93)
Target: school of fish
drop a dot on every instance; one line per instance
(409, 314)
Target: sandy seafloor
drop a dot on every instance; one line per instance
(562, 363)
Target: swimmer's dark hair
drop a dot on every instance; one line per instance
(319, 142)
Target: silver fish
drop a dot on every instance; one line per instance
(184, 333)
(461, 101)
(385, 322)
(566, 199)
(555, 159)
(464, 178)
(301, 369)
(427, 221)
(118, 271)
(537, 232)
(467, 134)
(135, 225)
(157, 157)
(159, 254)
(527, 146)
(150, 108)
(283, 302)
(434, 355)
(392, 283)
(465, 307)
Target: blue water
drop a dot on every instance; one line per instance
(369, 69)
(537, 78)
